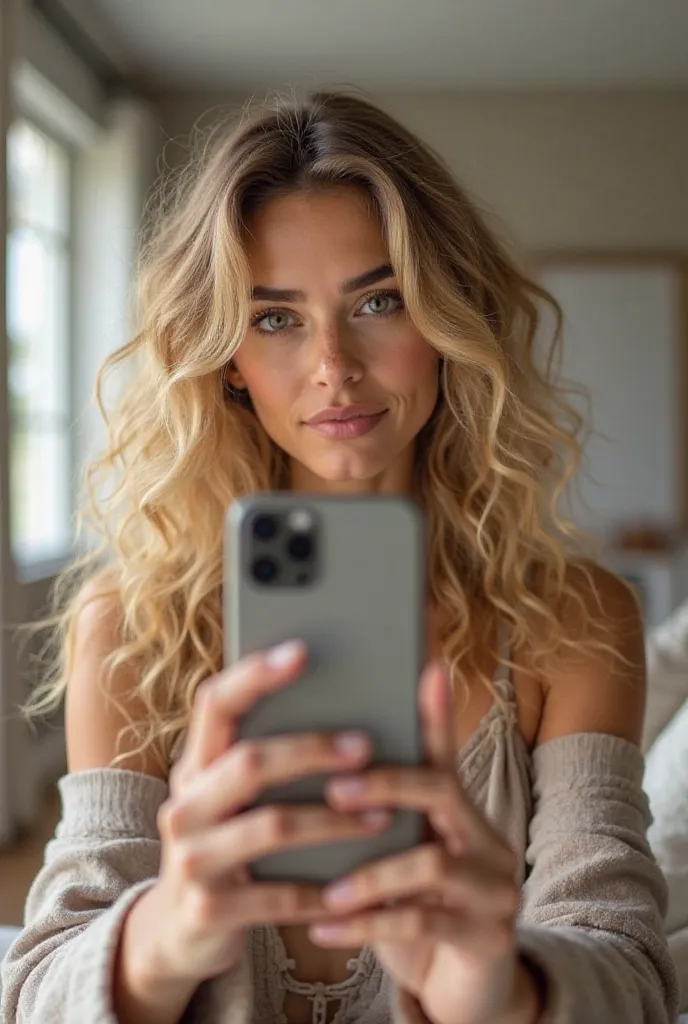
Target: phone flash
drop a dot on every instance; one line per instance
(300, 520)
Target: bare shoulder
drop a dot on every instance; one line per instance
(600, 690)
(92, 720)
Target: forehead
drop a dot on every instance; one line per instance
(308, 233)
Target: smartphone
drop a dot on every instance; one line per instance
(346, 576)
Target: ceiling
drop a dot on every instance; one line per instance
(404, 44)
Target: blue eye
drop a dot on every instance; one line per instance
(270, 316)
(392, 299)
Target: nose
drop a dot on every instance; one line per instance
(335, 361)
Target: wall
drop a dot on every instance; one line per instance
(559, 170)
(38, 45)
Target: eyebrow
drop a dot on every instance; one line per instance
(364, 280)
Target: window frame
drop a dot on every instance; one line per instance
(29, 570)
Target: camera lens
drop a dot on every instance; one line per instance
(265, 570)
(300, 547)
(264, 527)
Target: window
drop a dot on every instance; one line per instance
(38, 315)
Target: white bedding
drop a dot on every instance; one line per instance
(666, 783)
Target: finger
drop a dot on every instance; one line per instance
(247, 905)
(471, 885)
(236, 778)
(431, 791)
(220, 701)
(413, 923)
(211, 855)
(427, 789)
(436, 712)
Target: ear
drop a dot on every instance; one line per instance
(233, 379)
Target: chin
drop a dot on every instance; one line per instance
(347, 468)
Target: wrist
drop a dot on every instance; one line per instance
(143, 959)
(145, 987)
(528, 1003)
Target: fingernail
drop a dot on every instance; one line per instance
(351, 744)
(346, 787)
(284, 654)
(340, 892)
(324, 932)
(375, 819)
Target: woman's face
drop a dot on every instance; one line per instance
(338, 375)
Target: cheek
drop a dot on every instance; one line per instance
(411, 366)
(271, 382)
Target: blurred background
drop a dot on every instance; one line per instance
(567, 122)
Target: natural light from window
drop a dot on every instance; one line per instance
(38, 314)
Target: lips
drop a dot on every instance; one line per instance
(345, 422)
(341, 413)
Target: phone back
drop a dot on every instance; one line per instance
(357, 600)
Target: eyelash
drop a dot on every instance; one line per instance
(386, 293)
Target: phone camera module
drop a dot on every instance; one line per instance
(265, 570)
(282, 547)
(264, 527)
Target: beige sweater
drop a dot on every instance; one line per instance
(591, 915)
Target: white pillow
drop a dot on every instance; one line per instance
(666, 784)
(667, 673)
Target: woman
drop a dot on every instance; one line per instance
(324, 261)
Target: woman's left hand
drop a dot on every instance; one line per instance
(441, 916)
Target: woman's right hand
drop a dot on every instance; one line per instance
(204, 891)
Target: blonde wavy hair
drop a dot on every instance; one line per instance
(492, 462)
